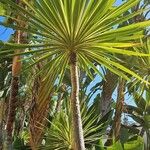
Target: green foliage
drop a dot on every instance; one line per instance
(59, 134)
(2, 9)
(5, 76)
(19, 144)
(141, 115)
(137, 144)
(141, 66)
(115, 146)
(83, 27)
(99, 34)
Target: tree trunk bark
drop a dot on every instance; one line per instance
(115, 131)
(12, 110)
(59, 103)
(119, 110)
(108, 88)
(75, 106)
(1, 122)
(16, 69)
(20, 37)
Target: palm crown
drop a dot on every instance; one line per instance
(86, 28)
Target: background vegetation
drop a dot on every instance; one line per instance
(68, 72)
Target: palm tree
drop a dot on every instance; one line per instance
(13, 95)
(141, 68)
(141, 93)
(59, 133)
(4, 84)
(40, 109)
(140, 114)
(119, 109)
(16, 70)
(73, 34)
(108, 87)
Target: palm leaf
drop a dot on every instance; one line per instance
(87, 28)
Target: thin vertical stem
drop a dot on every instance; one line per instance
(115, 131)
(108, 88)
(119, 110)
(75, 106)
(12, 109)
(1, 121)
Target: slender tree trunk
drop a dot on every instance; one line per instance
(108, 88)
(75, 106)
(1, 122)
(16, 68)
(115, 131)
(119, 110)
(59, 103)
(147, 147)
(12, 110)
(20, 37)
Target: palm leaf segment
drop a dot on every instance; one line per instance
(87, 28)
(141, 67)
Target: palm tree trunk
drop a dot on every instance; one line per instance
(38, 121)
(20, 37)
(75, 106)
(1, 122)
(147, 146)
(59, 103)
(12, 109)
(108, 88)
(16, 67)
(119, 110)
(115, 131)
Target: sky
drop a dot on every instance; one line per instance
(5, 33)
